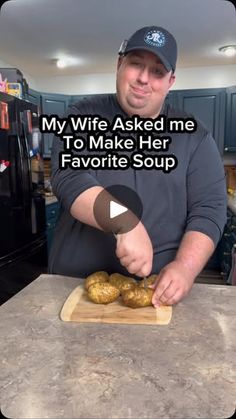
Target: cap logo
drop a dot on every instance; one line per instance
(155, 38)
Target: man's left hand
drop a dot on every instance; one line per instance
(173, 283)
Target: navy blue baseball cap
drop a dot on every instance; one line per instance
(156, 40)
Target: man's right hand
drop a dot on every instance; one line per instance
(134, 249)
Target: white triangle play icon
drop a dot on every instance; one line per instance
(116, 209)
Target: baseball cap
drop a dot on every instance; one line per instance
(156, 40)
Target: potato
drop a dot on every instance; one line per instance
(100, 276)
(103, 293)
(122, 282)
(149, 280)
(138, 297)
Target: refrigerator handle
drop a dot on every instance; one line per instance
(21, 165)
(27, 153)
(34, 224)
(34, 228)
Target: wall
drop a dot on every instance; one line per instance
(186, 78)
(205, 77)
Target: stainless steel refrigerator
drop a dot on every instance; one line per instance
(23, 246)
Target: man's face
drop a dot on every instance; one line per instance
(142, 83)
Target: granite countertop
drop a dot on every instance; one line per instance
(52, 369)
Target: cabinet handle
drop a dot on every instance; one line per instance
(226, 253)
(53, 212)
(226, 148)
(226, 234)
(233, 227)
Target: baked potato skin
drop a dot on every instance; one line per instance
(104, 289)
(103, 293)
(150, 280)
(122, 282)
(100, 276)
(137, 297)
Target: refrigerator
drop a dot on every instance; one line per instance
(23, 245)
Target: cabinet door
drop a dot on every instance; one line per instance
(34, 97)
(52, 104)
(230, 132)
(207, 105)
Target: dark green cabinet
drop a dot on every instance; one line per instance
(52, 104)
(215, 108)
(207, 105)
(230, 132)
(34, 97)
(51, 216)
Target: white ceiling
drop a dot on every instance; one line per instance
(34, 33)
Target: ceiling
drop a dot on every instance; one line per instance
(33, 34)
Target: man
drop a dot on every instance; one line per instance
(184, 211)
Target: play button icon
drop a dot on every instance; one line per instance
(118, 209)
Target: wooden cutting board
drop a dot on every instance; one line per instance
(78, 308)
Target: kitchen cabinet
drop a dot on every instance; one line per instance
(207, 105)
(226, 244)
(213, 107)
(230, 132)
(34, 97)
(52, 211)
(52, 104)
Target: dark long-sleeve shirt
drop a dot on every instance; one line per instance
(192, 197)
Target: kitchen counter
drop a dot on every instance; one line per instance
(52, 369)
